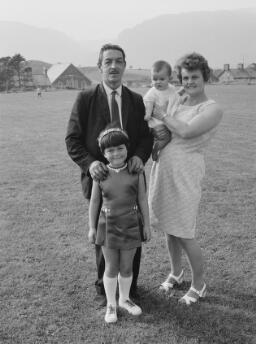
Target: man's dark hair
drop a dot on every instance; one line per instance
(109, 46)
(192, 62)
(159, 65)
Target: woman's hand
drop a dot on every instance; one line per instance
(92, 235)
(158, 112)
(146, 234)
(161, 132)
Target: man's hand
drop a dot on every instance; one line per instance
(92, 235)
(135, 165)
(98, 170)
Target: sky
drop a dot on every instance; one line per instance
(102, 19)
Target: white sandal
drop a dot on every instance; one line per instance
(193, 295)
(171, 281)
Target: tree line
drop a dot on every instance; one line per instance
(13, 72)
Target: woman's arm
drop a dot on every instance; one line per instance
(143, 205)
(95, 202)
(200, 124)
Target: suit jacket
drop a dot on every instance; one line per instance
(90, 115)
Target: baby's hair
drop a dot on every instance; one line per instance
(112, 137)
(160, 64)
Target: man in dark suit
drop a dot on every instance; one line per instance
(91, 113)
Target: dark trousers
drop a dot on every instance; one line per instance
(100, 261)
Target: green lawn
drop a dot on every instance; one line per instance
(47, 267)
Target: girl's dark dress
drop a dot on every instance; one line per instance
(119, 224)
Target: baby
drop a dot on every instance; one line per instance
(160, 95)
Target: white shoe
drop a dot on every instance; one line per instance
(130, 306)
(171, 281)
(193, 295)
(111, 316)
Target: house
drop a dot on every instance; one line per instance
(67, 76)
(132, 77)
(214, 75)
(137, 77)
(239, 75)
(41, 80)
(93, 73)
(39, 76)
(251, 70)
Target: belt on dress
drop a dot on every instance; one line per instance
(107, 210)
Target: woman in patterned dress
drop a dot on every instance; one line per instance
(175, 179)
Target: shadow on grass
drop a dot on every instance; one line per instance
(225, 318)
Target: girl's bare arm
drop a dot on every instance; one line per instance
(94, 211)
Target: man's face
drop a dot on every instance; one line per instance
(112, 68)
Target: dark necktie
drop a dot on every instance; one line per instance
(114, 110)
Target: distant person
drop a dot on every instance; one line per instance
(159, 94)
(39, 92)
(175, 179)
(93, 110)
(119, 198)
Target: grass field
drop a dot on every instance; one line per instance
(47, 267)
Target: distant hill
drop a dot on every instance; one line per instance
(39, 44)
(222, 36)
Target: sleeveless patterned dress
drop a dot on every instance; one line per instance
(175, 179)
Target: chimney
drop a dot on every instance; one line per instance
(240, 66)
(226, 66)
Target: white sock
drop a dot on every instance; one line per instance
(110, 289)
(124, 287)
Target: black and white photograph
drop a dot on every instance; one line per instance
(128, 172)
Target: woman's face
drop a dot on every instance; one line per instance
(192, 81)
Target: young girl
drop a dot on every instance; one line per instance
(120, 199)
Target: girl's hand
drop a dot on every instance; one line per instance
(92, 235)
(158, 112)
(146, 234)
